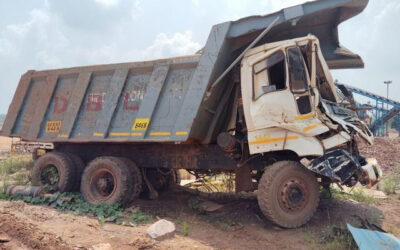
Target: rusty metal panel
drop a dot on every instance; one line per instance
(79, 85)
(41, 108)
(110, 103)
(145, 113)
(16, 104)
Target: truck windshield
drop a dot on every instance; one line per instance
(297, 72)
(269, 75)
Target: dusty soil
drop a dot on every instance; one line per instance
(238, 225)
(385, 150)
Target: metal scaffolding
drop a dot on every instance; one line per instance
(382, 115)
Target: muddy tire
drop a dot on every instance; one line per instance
(107, 180)
(54, 169)
(135, 178)
(288, 194)
(79, 167)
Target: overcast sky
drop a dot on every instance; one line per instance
(43, 34)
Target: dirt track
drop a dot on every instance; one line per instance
(238, 226)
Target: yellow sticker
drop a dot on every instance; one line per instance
(141, 124)
(53, 126)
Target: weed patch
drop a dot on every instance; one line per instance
(391, 183)
(185, 228)
(14, 171)
(334, 237)
(75, 203)
(357, 195)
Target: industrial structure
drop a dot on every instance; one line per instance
(381, 113)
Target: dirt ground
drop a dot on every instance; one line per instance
(238, 225)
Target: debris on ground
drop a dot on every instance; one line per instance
(102, 246)
(161, 230)
(4, 239)
(209, 206)
(370, 240)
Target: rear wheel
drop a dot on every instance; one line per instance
(79, 167)
(288, 194)
(107, 180)
(54, 169)
(136, 179)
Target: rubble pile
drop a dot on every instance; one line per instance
(386, 151)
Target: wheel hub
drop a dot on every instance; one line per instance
(293, 195)
(103, 184)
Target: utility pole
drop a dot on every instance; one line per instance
(387, 105)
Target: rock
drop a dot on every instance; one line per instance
(209, 206)
(102, 246)
(4, 239)
(161, 230)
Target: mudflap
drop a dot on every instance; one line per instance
(341, 167)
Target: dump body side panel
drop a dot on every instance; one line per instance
(121, 102)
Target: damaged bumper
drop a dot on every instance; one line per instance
(341, 167)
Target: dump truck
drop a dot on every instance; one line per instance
(258, 101)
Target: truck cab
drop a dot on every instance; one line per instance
(286, 89)
(291, 105)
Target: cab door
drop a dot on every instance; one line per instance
(299, 84)
(280, 95)
(279, 108)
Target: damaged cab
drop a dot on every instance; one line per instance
(291, 105)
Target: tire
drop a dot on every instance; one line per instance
(288, 194)
(135, 178)
(79, 167)
(107, 180)
(45, 168)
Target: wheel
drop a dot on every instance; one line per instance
(107, 180)
(54, 169)
(79, 167)
(288, 194)
(135, 178)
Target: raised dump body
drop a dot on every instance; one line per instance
(164, 100)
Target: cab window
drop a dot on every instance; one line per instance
(269, 75)
(297, 72)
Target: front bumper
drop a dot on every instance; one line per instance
(341, 167)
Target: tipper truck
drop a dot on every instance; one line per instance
(258, 101)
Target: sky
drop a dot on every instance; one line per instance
(49, 34)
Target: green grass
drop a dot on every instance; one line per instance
(185, 228)
(391, 183)
(337, 237)
(77, 206)
(14, 170)
(357, 195)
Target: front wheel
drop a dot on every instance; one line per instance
(288, 194)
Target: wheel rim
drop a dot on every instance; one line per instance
(293, 195)
(103, 184)
(49, 175)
